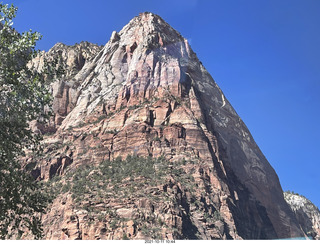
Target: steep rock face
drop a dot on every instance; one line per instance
(306, 213)
(61, 64)
(145, 93)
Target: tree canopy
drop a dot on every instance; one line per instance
(23, 96)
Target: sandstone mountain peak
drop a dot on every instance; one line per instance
(150, 23)
(148, 30)
(144, 95)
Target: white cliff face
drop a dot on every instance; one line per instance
(65, 62)
(295, 201)
(306, 212)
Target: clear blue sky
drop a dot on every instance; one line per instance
(264, 54)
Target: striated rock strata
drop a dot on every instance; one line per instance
(146, 94)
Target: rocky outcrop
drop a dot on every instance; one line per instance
(60, 64)
(307, 214)
(145, 93)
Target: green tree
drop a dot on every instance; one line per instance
(23, 97)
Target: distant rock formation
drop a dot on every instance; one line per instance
(146, 94)
(307, 214)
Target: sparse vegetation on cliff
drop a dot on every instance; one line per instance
(147, 181)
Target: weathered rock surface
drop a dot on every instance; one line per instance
(65, 62)
(307, 214)
(145, 93)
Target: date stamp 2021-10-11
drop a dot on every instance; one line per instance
(159, 241)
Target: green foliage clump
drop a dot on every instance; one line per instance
(126, 177)
(125, 237)
(217, 216)
(23, 98)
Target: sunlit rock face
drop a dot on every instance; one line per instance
(307, 214)
(145, 93)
